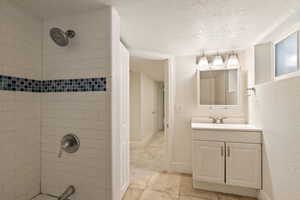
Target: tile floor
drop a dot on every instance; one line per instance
(150, 182)
(151, 156)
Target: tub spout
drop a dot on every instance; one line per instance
(67, 193)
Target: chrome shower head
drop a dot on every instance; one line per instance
(60, 37)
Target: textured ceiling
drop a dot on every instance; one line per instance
(182, 26)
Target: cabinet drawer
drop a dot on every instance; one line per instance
(228, 136)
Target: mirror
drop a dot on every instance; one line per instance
(219, 87)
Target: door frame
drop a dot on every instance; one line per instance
(169, 95)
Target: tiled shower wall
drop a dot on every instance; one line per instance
(85, 114)
(20, 56)
(33, 123)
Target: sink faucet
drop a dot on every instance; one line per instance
(214, 119)
(217, 120)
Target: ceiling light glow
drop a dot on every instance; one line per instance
(203, 62)
(218, 61)
(233, 61)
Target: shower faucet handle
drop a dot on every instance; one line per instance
(64, 145)
(70, 143)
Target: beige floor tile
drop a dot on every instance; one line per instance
(133, 194)
(228, 197)
(233, 197)
(166, 182)
(151, 156)
(190, 198)
(156, 195)
(248, 198)
(140, 178)
(186, 189)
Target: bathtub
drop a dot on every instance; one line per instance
(43, 197)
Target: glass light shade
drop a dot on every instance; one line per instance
(218, 61)
(233, 62)
(203, 62)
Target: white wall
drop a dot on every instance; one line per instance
(276, 108)
(20, 52)
(86, 114)
(186, 107)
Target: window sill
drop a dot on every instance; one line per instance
(280, 78)
(287, 76)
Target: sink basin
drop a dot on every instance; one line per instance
(237, 127)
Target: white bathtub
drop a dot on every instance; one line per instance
(43, 197)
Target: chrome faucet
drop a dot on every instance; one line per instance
(218, 120)
(67, 193)
(221, 120)
(214, 119)
(70, 143)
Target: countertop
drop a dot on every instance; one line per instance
(231, 127)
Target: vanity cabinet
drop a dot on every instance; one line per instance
(243, 165)
(227, 157)
(208, 161)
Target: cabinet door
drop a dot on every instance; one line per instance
(243, 165)
(209, 161)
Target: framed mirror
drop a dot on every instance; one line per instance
(218, 87)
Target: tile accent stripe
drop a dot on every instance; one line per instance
(66, 85)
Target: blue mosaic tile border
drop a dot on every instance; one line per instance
(10, 83)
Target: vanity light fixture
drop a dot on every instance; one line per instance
(233, 61)
(203, 62)
(218, 61)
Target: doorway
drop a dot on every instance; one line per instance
(151, 122)
(147, 113)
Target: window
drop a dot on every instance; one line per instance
(286, 55)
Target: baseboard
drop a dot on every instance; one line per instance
(226, 189)
(263, 196)
(124, 190)
(180, 168)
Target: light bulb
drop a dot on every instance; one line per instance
(203, 62)
(233, 61)
(218, 61)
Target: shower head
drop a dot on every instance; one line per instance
(60, 37)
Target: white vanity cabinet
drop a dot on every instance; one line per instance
(227, 155)
(243, 165)
(208, 161)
